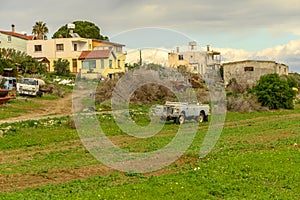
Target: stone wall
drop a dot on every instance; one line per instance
(248, 72)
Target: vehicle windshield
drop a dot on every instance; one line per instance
(29, 81)
(169, 109)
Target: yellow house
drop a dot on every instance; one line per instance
(97, 64)
(71, 49)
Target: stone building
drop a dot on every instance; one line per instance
(248, 72)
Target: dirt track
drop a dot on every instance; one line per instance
(49, 108)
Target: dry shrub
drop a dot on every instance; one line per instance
(237, 88)
(58, 91)
(196, 81)
(47, 88)
(203, 95)
(148, 93)
(151, 93)
(242, 103)
(104, 91)
(72, 123)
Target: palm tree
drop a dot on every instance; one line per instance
(40, 29)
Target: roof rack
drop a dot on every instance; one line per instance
(176, 103)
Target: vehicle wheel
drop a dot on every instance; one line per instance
(39, 94)
(180, 119)
(206, 118)
(201, 117)
(163, 119)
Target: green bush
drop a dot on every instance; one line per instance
(61, 67)
(274, 92)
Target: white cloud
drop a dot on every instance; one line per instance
(288, 54)
(152, 55)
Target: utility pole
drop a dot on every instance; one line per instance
(141, 62)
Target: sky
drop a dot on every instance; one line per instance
(248, 29)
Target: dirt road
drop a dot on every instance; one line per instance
(50, 108)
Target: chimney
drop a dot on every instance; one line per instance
(207, 47)
(12, 28)
(192, 45)
(177, 49)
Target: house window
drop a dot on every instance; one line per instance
(8, 38)
(37, 48)
(249, 69)
(110, 64)
(89, 64)
(119, 64)
(119, 49)
(180, 57)
(75, 47)
(195, 67)
(59, 47)
(102, 63)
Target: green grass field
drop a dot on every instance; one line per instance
(256, 157)
(16, 108)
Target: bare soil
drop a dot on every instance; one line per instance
(48, 108)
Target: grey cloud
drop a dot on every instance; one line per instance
(214, 15)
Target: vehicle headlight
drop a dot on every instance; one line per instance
(176, 110)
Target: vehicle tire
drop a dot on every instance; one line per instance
(163, 119)
(206, 118)
(201, 117)
(180, 119)
(39, 94)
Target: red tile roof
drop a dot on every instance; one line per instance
(94, 54)
(19, 35)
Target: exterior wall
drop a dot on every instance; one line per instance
(15, 43)
(49, 50)
(195, 61)
(69, 52)
(174, 62)
(100, 45)
(51, 64)
(242, 72)
(98, 72)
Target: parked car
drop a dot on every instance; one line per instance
(181, 111)
(8, 83)
(30, 86)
